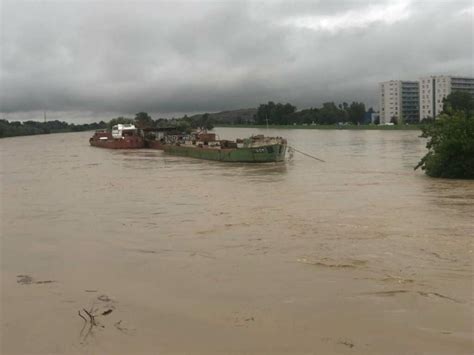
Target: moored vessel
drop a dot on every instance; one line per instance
(122, 136)
(203, 145)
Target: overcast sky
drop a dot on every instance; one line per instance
(88, 59)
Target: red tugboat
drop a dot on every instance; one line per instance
(122, 136)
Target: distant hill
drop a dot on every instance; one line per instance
(241, 116)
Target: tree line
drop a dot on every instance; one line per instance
(141, 120)
(27, 128)
(328, 113)
(270, 113)
(144, 120)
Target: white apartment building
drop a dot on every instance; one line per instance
(398, 100)
(388, 100)
(434, 89)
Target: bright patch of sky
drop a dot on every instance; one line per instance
(364, 17)
(469, 11)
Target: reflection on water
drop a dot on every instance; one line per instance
(155, 159)
(239, 255)
(267, 171)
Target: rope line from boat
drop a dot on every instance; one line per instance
(308, 155)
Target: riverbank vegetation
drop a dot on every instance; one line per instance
(141, 120)
(28, 128)
(144, 120)
(451, 140)
(286, 114)
(328, 126)
(328, 113)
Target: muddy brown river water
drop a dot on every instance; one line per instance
(358, 255)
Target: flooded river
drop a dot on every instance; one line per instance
(357, 255)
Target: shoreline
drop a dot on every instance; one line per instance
(349, 127)
(322, 127)
(44, 134)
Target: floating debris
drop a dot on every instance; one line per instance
(421, 293)
(397, 279)
(123, 329)
(28, 280)
(387, 293)
(91, 316)
(24, 279)
(104, 298)
(347, 265)
(107, 312)
(347, 343)
(436, 294)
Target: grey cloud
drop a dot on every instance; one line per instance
(168, 57)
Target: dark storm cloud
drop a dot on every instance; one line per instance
(110, 56)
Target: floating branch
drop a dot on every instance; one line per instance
(80, 315)
(92, 318)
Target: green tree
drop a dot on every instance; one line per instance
(329, 113)
(264, 112)
(275, 113)
(459, 101)
(143, 120)
(450, 146)
(356, 112)
(204, 122)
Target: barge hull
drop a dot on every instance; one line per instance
(135, 143)
(263, 154)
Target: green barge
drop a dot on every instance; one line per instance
(256, 149)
